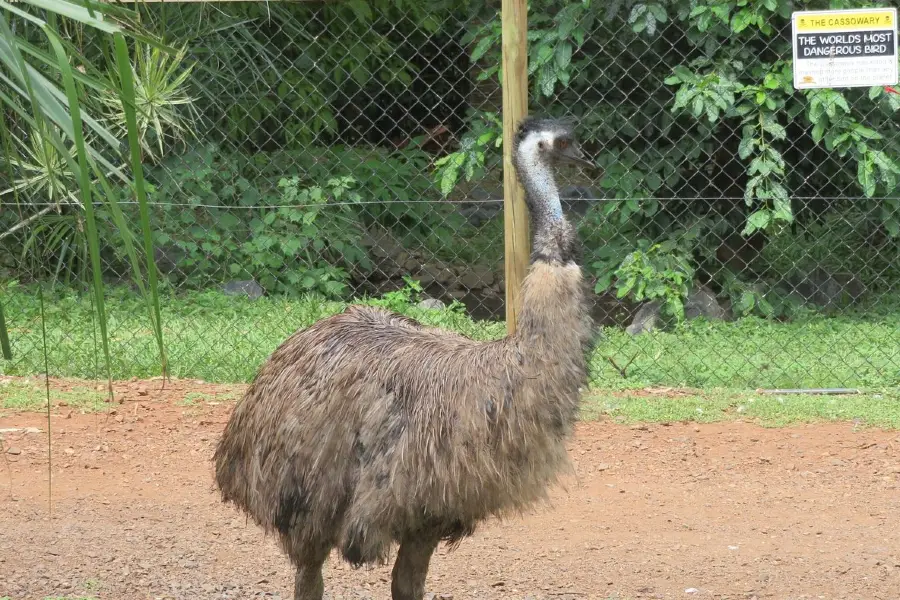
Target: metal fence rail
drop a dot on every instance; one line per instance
(738, 233)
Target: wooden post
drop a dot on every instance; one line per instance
(514, 19)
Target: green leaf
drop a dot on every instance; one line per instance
(603, 282)
(547, 80)
(5, 346)
(545, 52)
(875, 92)
(697, 107)
(697, 10)
(566, 20)
(684, 74)
(865, 174)
(775, 129)
(86, 192)
(449, 176)
(746, 303)
(745, 148)
(482, 48)
(757, 220)
(658, 12)
(129, 104)
(741, 20)
(563, 55)
(865, 132)
(228, 220)
(818, 131)
(782, 211)
(636, 12)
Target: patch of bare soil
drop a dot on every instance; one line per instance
(680, 511)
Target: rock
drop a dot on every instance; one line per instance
(425, 277)
(645, 319)
(167, 257)
(476, 277)
(248, 288)
(385, 247)
(824, 289)
(14, 451)
(481, 208)
(435, 274)
(458, 294)
(431, 304)
(701, 302)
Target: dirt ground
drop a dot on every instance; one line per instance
(659, 511)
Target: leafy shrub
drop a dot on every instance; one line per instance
(293, 236)
(656, 272)
(853, 241)
(284, 219)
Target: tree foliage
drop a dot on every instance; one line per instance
(690, 108)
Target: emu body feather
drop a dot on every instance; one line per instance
(367, 425)
(368, 428)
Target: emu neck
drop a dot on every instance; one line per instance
(554, 325)
(550, 232)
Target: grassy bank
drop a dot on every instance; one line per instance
(224, 339)
(650, 405)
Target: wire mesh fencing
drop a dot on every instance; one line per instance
(738, 233)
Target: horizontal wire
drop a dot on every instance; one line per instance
(461, 201)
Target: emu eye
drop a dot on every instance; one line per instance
(562, 144)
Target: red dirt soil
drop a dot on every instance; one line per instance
(728, 510)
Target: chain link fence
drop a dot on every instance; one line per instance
(738, 233)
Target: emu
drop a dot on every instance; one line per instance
(368, 429)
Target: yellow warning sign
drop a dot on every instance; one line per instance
(845, 48)
(836, 21)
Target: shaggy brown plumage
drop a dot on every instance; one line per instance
(368, 428)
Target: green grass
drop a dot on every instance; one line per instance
(774, 410)
(23, 396)
(224, 339)
(208, 336)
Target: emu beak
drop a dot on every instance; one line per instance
(573, 154)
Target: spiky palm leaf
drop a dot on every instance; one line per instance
(164, 110)
(70, 153)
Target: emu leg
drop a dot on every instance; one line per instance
(411, 568)
(308, 584)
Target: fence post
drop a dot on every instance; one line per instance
(514, 20)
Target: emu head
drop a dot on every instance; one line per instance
(547, 142)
